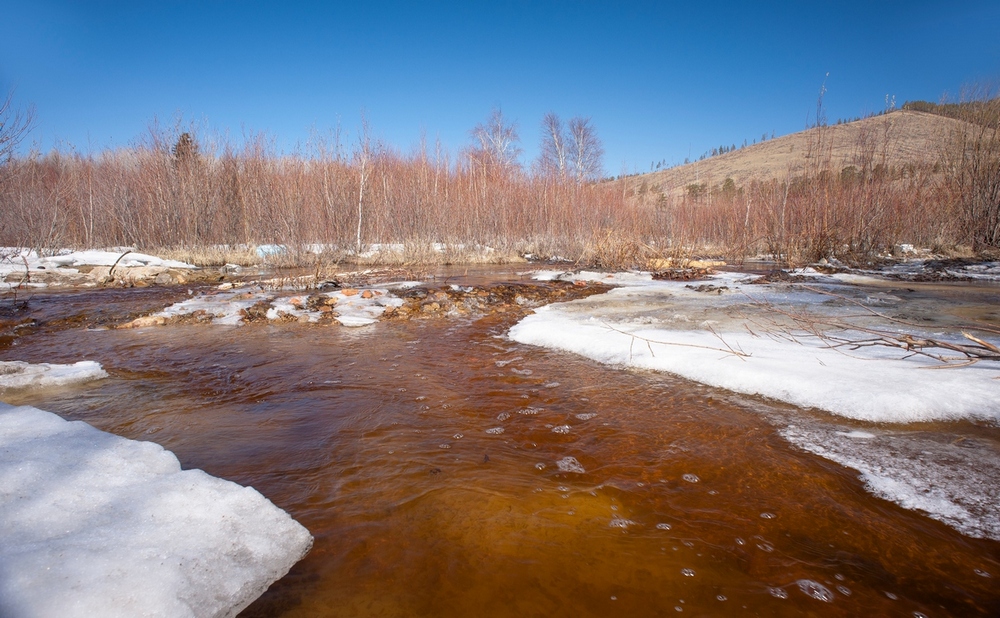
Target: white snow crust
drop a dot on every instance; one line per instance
(18, 374)
(64, 265)
(92, 524)
(666, 326)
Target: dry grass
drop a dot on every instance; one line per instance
(915, 138)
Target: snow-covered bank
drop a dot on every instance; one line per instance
(18, 374)
(24, 268)
(689, 330)
(729, 333)
(93, 524)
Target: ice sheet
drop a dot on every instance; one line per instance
(950, 479)
(18, 374)
(669, 326)
(93, 524)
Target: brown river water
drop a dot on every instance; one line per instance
(421, 455)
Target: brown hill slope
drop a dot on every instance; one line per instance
(895, 139)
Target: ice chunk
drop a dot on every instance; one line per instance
(93, 524)
(18, 374)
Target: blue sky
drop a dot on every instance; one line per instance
(660, 80)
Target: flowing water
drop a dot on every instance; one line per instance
(446, 471)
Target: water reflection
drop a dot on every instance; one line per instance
(605, 493)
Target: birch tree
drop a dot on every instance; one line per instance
(586, 153)
(497, 141)
(552, 155)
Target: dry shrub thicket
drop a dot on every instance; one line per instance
(175, 192)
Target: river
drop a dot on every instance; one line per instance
(446, 470)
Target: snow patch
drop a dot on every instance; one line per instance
(92, 524)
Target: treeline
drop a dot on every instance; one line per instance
(179, 191)
(978, 111)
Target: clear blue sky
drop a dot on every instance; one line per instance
(660, 80)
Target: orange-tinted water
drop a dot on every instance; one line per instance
(384, 442)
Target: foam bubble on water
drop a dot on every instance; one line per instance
(444, 446)
(844, 590)
(687, 572)
(720, 597)
(504, 363)
(919, 615)
(503, 416)
(765, 547)
(495, 431)
(522, 372)
(586, 416)
(529, 411)
(767, 515)
(458, 436)
(740, 541)
(778, 593)
(815, 590)
(663, 526)
(691, 478)
(570, 464)
(982, 573)
(621, 522)
(678, 608)
(551, 385)
(890, 595)
(562, 488)
(563, 429)
(539, 466)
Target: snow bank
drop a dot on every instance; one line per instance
(670, 326)
(17, 374)
(93, 524)
(108, 258)
(64, 268)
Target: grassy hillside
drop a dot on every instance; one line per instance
(898, 139)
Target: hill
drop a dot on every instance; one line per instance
(896, 139)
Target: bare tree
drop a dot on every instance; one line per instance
(586, 153)
(363, 156)
(498, 140)
(14, 126)
(552, 158)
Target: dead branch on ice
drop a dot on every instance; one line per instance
(728, 350)
(846, 333)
